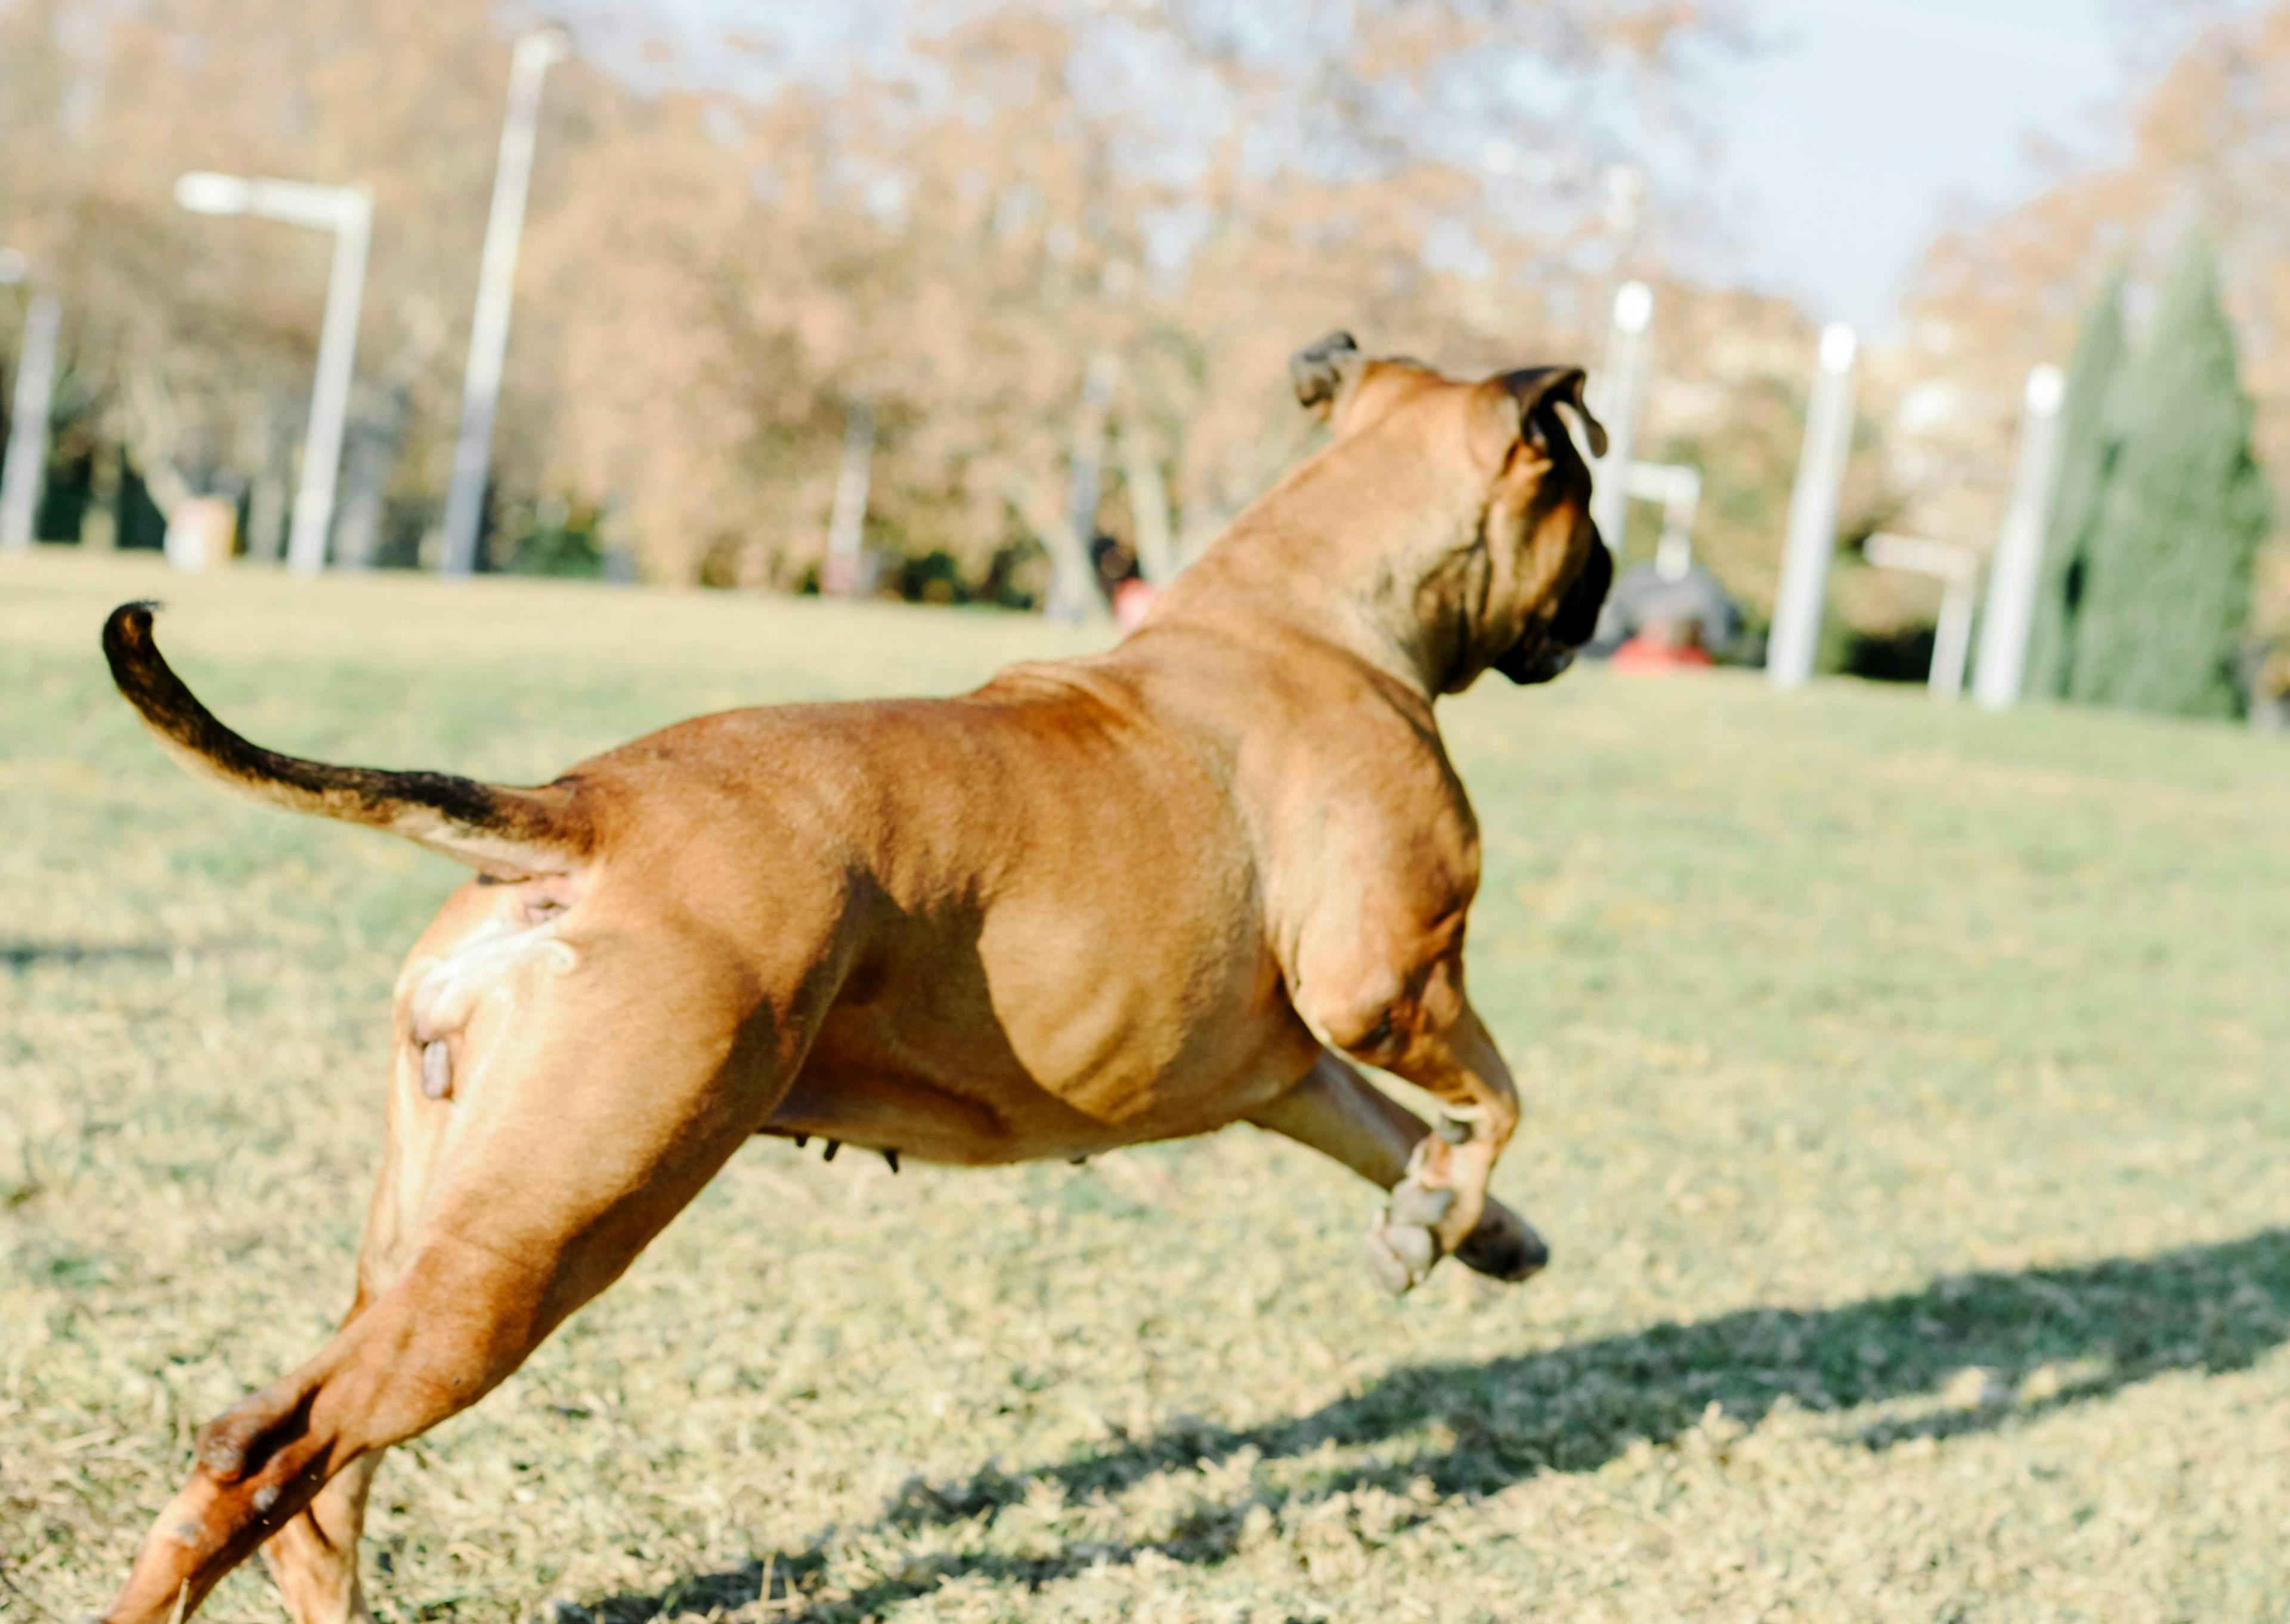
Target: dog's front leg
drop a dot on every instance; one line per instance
(1341, 1114)
(1421, 1027)
(1438, 1206)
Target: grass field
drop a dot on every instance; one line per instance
(1910, 1115)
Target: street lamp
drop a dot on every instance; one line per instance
(27, 458)
(346, 212)
(2013, 579)
(1811, 538)
(465, 498)
(1621, 390)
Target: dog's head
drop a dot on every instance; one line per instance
(1526, 574)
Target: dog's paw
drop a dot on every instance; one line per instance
(1404, 1242)
(1503, 1246)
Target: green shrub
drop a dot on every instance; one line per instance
(2167, 590)
(2086, 449)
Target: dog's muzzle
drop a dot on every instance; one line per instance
(1535, 657)
(1546, 651)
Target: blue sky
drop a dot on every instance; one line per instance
(1847, 141)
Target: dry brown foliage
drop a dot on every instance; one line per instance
(710, 280)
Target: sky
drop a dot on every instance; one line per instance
(1848, 139)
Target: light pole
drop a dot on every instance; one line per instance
(1621, 388)
(465, 498)
(346, 212)
(1812, 513)
(2020, 550)
(27, 429)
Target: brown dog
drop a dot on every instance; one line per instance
(902, 926)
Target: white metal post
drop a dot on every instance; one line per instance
(1952, 636)
(1812, 513)
(2018, 566)
(1621, 388)
(465, 496)
(27, 429)
(846, 525)
(1677, 487)
(1957, 570)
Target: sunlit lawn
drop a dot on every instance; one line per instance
(1910, 1119)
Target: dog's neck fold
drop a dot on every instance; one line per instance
(1406, 586)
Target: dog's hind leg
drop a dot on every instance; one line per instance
(584, 1109)
(313, 1559)
(1343, 1115)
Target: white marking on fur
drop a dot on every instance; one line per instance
(447, 989)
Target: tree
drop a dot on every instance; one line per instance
(2168, 588)
(2085, 459)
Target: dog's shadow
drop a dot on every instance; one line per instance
(2038, 1340)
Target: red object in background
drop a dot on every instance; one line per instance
(1644, 654)
(1130, 599)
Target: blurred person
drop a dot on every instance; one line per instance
(1672, 589)
(1121, 579)
(1664, 644)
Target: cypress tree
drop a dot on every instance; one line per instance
(2167, 569)
(2086, 449)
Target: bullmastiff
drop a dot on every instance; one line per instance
(915, 926)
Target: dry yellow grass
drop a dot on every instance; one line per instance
(1910, 1122)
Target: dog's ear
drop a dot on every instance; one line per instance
(1320, 373)
(1540, 391)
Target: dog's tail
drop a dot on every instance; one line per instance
(507, 833)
